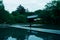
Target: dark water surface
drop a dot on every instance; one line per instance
(11, 33)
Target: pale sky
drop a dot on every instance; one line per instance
(32, 5)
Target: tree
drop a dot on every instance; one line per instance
(53, 10)
(20, 9)
(20, 19)
(15, 13)
(42, 14)
(4, 15)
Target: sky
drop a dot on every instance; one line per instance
(31, 5)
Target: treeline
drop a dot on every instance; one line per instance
(49, 15)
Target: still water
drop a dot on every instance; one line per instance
(31, 37)
(10, 38)
(18, 32)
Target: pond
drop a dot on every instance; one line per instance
(31, 37)
(13, 33)
(11, 38)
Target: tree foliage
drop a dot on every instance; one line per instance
(20, 9)
(53, 9)
(4, 15)
(49, 15)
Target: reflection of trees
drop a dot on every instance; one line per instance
(14, 32)
(48, 36)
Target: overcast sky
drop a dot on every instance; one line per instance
(32, 5)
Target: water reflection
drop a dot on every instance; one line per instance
(24, 34)
(11, 38)
(33, 37)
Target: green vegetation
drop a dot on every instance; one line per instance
(50, 15)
